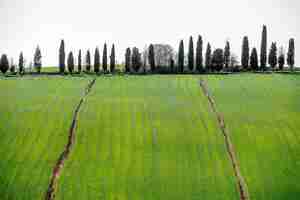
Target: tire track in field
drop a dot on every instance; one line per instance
(52, 187)
(241, 183)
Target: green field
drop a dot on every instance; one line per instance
(263, 116)
(35, 115)
(150, 137)
(147, 138)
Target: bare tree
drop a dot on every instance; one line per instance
(233, 60)
(163, 53)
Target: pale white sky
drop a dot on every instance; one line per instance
(89, 23)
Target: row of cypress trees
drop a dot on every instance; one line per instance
(217, 60)
(88, 64)
(273, 58)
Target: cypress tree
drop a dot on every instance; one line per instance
(291, 54)
(254, 60)
(4, 65)
(112, 59)
(191, 55)
(263, 50)
(281, 59)
(151, 58)
(104, 58)
(127, 60)
(97, 61)
(21, 63)
(171, 64)
(37, 59)
(88, 61)
(79, 62)
(199, 57)
(136, 59)
(181, 57)
(273, 56)
(208, 58)
(245, 53)
(70, 62)
(12, 68)
(227, 55)
(62, 57)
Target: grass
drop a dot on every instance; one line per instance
(35, 114)
(262, 113)
(150, 137)
(147, 138)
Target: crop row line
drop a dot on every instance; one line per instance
(51, 190)
(241, 183)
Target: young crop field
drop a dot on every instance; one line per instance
(150, 137)
(147, 138)
(35, 114)
(262, 113)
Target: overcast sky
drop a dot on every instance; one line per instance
(90, 23)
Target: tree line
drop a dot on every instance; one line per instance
(160, 59)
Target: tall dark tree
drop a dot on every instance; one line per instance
(245, 53)
(227, 55)
(273, 56)
(62, 56)
(217, 61)
(4, 65)
(151, 57)
(21, 63)
(208, 58)
(191, 54)
(263, 50)
(127, 60)
(136, 59)
(70, 62)
(96, 61)
(254, 60)
(112, 59)
(12, 68)
(281, 59)
(291, 54)
(79, 62)
(104, 58)
(88, 61)
(37, 60)
(181, 57)
(199, 56)
(171, 64)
